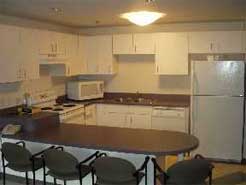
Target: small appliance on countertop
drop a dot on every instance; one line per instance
(85, 90)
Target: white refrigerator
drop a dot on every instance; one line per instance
(218, 108)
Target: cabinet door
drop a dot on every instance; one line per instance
(244, 46)
(105, 55)
(215, 42)
(72, 52)
(92, 55)
(228, 42)
(172, 54)
(58, 41)
(9, 54)
(29, 54)
(98, 55)
(202, 42)
(46, 46)
(82, 54)
(123, 44)
(144, 43)
(141, 121)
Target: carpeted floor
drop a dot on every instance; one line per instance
(224, 174)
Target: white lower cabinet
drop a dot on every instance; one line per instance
(91, 114)
(143, 117)
(140, 117)
(124, 116)
(112, 115)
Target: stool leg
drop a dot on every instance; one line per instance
(55, 181)
(92, 177)
(210, 178)
(34, 181)
(27, 180)
(65, 182)
(4, 173)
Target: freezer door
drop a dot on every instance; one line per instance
(218, 124)
(218, 78)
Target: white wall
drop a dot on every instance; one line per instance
(136, 73)
(11, 94)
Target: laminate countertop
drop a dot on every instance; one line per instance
(137, 99)
(137, 141)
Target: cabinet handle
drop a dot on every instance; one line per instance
(131, 120)
(68, 70)
(56, 47)
(135, 48)
(25, 74)
(211, 47)
(157, 69)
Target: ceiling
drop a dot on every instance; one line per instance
(90, 13)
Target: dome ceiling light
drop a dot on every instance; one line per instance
(143, 17)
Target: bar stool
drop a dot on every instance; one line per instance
(20, 159)
(116, 171)
(64, 166)
(194, 171)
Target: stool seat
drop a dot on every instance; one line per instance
(116, 171)
(85, 170)
(27, 165)
(194, 171)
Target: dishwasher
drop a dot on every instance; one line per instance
(170, 118)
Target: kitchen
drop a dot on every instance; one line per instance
(142, 76)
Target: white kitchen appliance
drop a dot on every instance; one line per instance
(68, 112)
(170, 118)
(85, 90)
(217, 108)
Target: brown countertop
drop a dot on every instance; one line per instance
(148, 142)
(146, 100)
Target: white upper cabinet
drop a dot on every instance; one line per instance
(172, 54)
(244, 41)
(215, 42)
(52, 44)
(9, 54)
(29, 54)
(123, 44)
(99, 57)
(134, 44)
(144, 43)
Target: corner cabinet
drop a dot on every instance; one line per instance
(171, 54)
(29, 67)
(99, 57)
(18, 54)
(9, 52)
(142, 43)
(216, 42)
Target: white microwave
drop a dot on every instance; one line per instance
(85, 90)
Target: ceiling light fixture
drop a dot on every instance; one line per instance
(144, 17)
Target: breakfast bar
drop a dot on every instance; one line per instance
(131, 144)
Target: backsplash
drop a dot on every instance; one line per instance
(11, 94)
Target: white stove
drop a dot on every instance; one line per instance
(68, 112)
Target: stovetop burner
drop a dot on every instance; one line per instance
(46, 108)
(58, 109)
